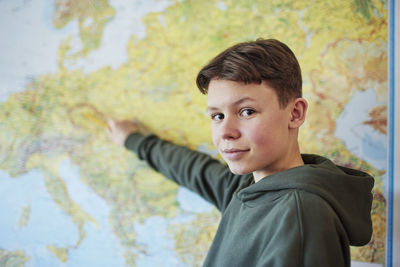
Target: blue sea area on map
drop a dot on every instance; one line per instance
(47, 223)
(373, 147)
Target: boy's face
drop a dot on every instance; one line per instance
(249, 128)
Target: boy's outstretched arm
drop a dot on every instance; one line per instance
(195, 170)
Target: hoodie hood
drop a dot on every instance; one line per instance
(347, 191)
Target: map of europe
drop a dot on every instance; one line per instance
(70, 197)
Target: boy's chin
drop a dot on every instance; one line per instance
(238, 171)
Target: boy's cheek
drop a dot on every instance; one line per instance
(259, 135)
(266, 142)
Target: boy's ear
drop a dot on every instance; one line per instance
(298, 113)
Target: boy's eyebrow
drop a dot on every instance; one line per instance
(238, 102)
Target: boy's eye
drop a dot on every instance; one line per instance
(217, 116)
(246, 112)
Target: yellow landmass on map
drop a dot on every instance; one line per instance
(61, 253)
(13, 258)
(192, 239)
(25, 215)
(92, 17)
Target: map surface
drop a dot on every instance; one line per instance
(69, 197)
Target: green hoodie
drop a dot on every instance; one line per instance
(305, 216)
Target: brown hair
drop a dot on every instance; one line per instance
(266, 60)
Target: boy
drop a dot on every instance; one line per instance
(279, 207)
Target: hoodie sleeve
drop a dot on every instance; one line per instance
(197, 171)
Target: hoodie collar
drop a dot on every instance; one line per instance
(348, 191)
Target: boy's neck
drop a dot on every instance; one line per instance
(291, 160)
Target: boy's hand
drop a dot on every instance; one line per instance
(118, 131)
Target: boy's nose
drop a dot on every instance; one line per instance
(229, 130)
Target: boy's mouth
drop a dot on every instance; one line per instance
(234, 154)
